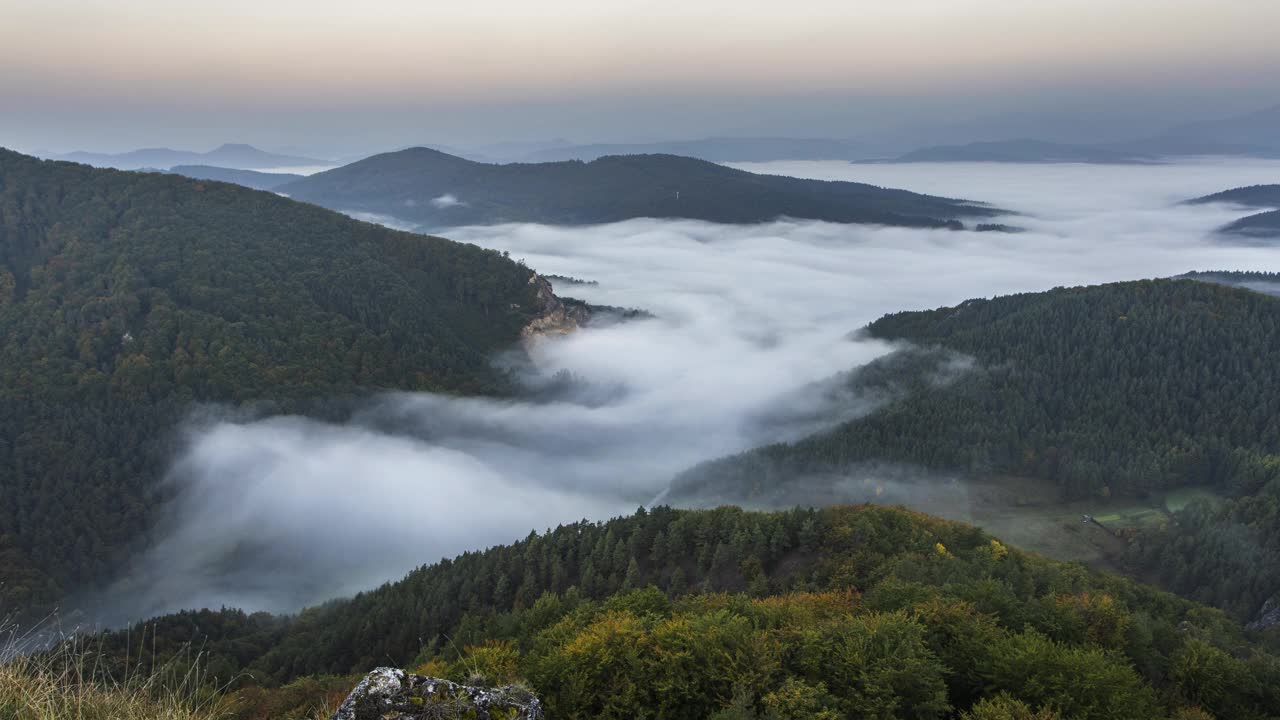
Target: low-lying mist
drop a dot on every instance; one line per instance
(749, 321)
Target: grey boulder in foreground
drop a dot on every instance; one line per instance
(390, 694)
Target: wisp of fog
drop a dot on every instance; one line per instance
(275, 513)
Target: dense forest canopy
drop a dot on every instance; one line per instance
(842, 612)
(436, 189)
(126, 298)
(1107, 391)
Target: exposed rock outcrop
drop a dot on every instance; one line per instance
(390, 694)
(1267, 617)
(556, 317)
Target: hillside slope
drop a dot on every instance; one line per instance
(126, 298)
(248, 178)
(843, 612)
(435, 189)
(1111, 391)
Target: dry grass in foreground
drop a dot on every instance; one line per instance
(68, 682)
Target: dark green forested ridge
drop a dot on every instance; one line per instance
(1259, 196)
(846, 611)
(1261, 225)
(1111, 390)
(127, 297)
(433, 188)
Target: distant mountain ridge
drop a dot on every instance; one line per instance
(435, 189)
(715, 149)
(1260, 127)
(1255, 134)
(229, 155)
(1023, 151)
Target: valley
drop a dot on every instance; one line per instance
(639, 361)
(280, 501)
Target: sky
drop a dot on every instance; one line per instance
(750, 325)
(333, 77)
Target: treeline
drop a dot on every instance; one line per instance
(847, 611)
(127, 298)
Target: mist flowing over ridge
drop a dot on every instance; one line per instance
(637, 402)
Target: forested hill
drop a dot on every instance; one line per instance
(1110, 390)
(1255, 196)
(436, 189)
(842, 612)
(1261, 225)
(127, 297)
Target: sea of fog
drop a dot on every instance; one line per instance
(280, 512)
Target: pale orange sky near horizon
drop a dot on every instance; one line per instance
(76, 55)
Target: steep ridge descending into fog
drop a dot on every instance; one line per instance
(1260, 225)
(840, 612)
(126, 299)
(1254, 196)
(1264, 225)
(435, 189)
(1109, 391)
(247, 178)
(1094, 388)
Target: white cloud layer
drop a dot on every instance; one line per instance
(283, 511)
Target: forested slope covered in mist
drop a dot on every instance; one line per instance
(846, 611)
(1107, 391)
(127, 299)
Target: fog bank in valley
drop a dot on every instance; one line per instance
(277, 512)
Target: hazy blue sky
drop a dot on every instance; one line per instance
(349, 76)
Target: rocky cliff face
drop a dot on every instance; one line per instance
(390, 694)
(1268, 616)
(557, 317)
